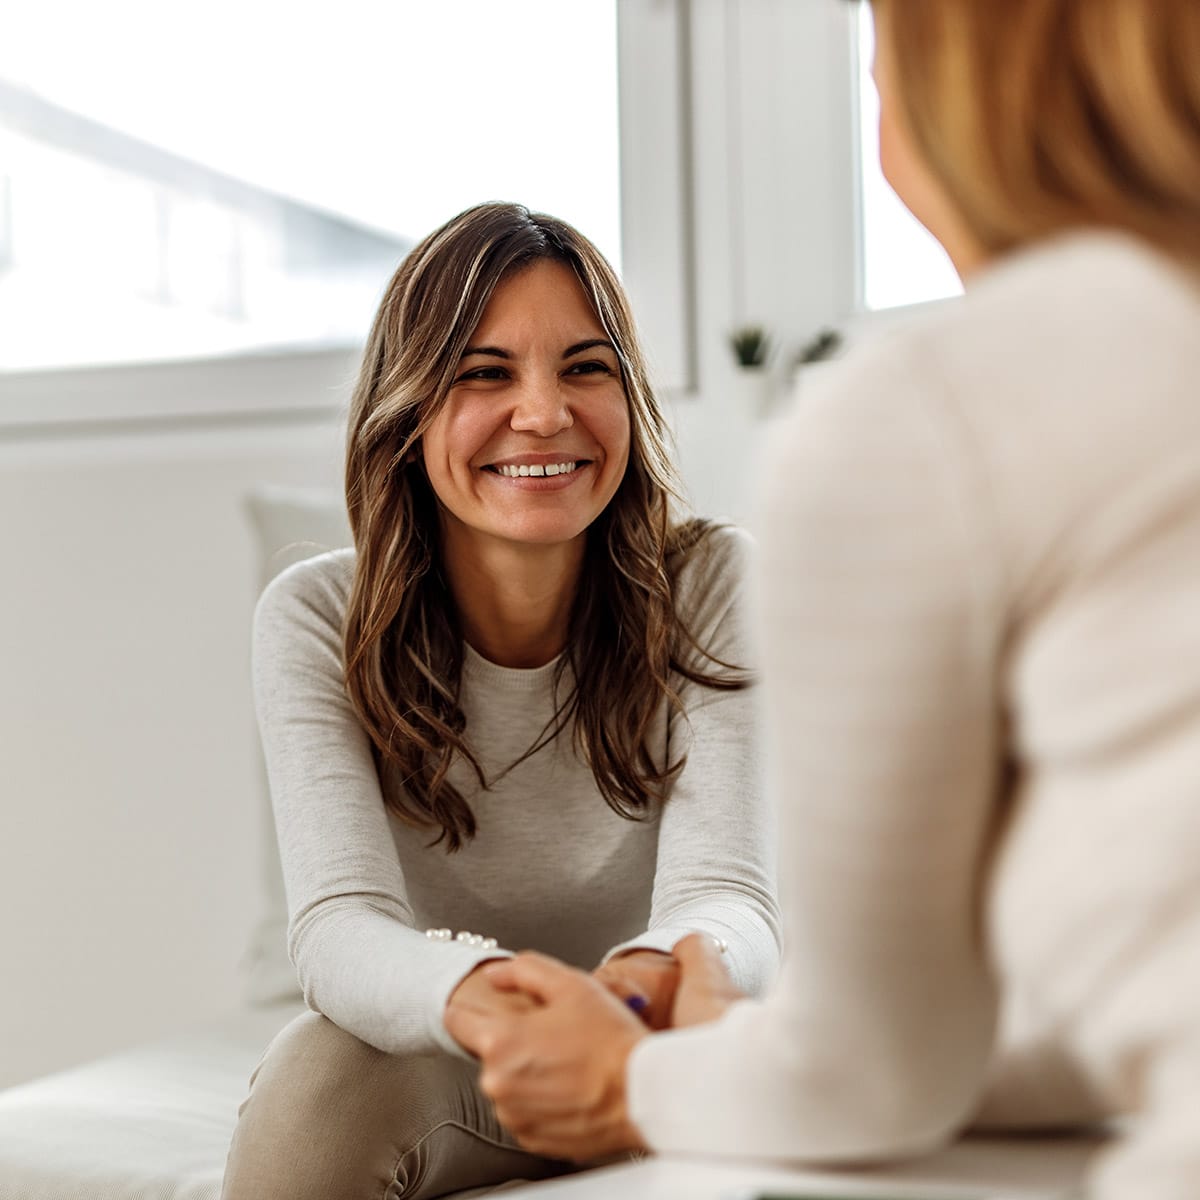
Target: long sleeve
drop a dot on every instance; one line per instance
(351, 935)
(878, 607)
(715, 870)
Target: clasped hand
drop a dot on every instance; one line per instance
(554, 1041)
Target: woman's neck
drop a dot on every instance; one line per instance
(514, 601)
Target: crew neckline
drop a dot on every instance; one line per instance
(524, 678)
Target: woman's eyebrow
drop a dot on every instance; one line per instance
(494, 351)
(590, 344)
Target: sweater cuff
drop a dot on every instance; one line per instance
(663, 939)
(460, 961)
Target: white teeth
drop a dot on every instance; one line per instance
(537, 469)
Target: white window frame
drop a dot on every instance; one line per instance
(735, 208)
(658, 233)
(142, 395)
(741, 169)
(6, 253)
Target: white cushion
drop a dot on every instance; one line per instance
(290, 524)
(153, 1123)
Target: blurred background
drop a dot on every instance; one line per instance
(199, 208)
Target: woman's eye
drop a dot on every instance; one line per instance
(486, 373)
(590, 368)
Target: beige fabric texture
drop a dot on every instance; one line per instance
(331, 1118)
(980, 588)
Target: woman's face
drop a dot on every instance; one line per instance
(533, 439)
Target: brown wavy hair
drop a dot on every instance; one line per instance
(1039, 116)
(627, 646)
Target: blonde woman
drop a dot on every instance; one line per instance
(513, 716)
(981, 598)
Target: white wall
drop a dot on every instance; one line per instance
(129, 809)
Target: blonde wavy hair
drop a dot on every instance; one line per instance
(628, 646)
(1043, 115)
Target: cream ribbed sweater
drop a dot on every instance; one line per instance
(981, 600)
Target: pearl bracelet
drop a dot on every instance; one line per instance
(465, 936)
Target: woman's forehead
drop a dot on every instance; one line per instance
(543, 302)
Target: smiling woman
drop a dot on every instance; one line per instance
(518, 709)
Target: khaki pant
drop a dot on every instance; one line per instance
(331, 1118)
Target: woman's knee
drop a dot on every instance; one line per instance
(306, 1128)
(314, 1061)
(331, 1118)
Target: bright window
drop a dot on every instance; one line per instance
(189, 182)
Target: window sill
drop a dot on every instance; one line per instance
(280, 383)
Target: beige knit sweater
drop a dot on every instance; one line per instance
(980, 598)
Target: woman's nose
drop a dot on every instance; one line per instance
(541, 408)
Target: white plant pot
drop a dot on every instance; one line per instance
(755, 391)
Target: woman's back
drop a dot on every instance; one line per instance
(1076, 369)
(981, 552)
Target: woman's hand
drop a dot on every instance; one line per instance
(648, 978)
(705, 990)
(476, 995)
(556, 1071)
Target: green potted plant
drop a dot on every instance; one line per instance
(820, 348)
(823, 346)
(751, 346)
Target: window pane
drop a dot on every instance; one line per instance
(251, 175)
(902, 263)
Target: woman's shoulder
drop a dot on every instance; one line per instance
(1097, 292)
(1084, 303)
(315, 589)
(1096, 322)
(1037, 305)
(710, 564)
(1091, 269)
(1085, 313)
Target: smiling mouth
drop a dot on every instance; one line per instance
(513, 471)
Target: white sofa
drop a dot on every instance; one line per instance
(154, 1123)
